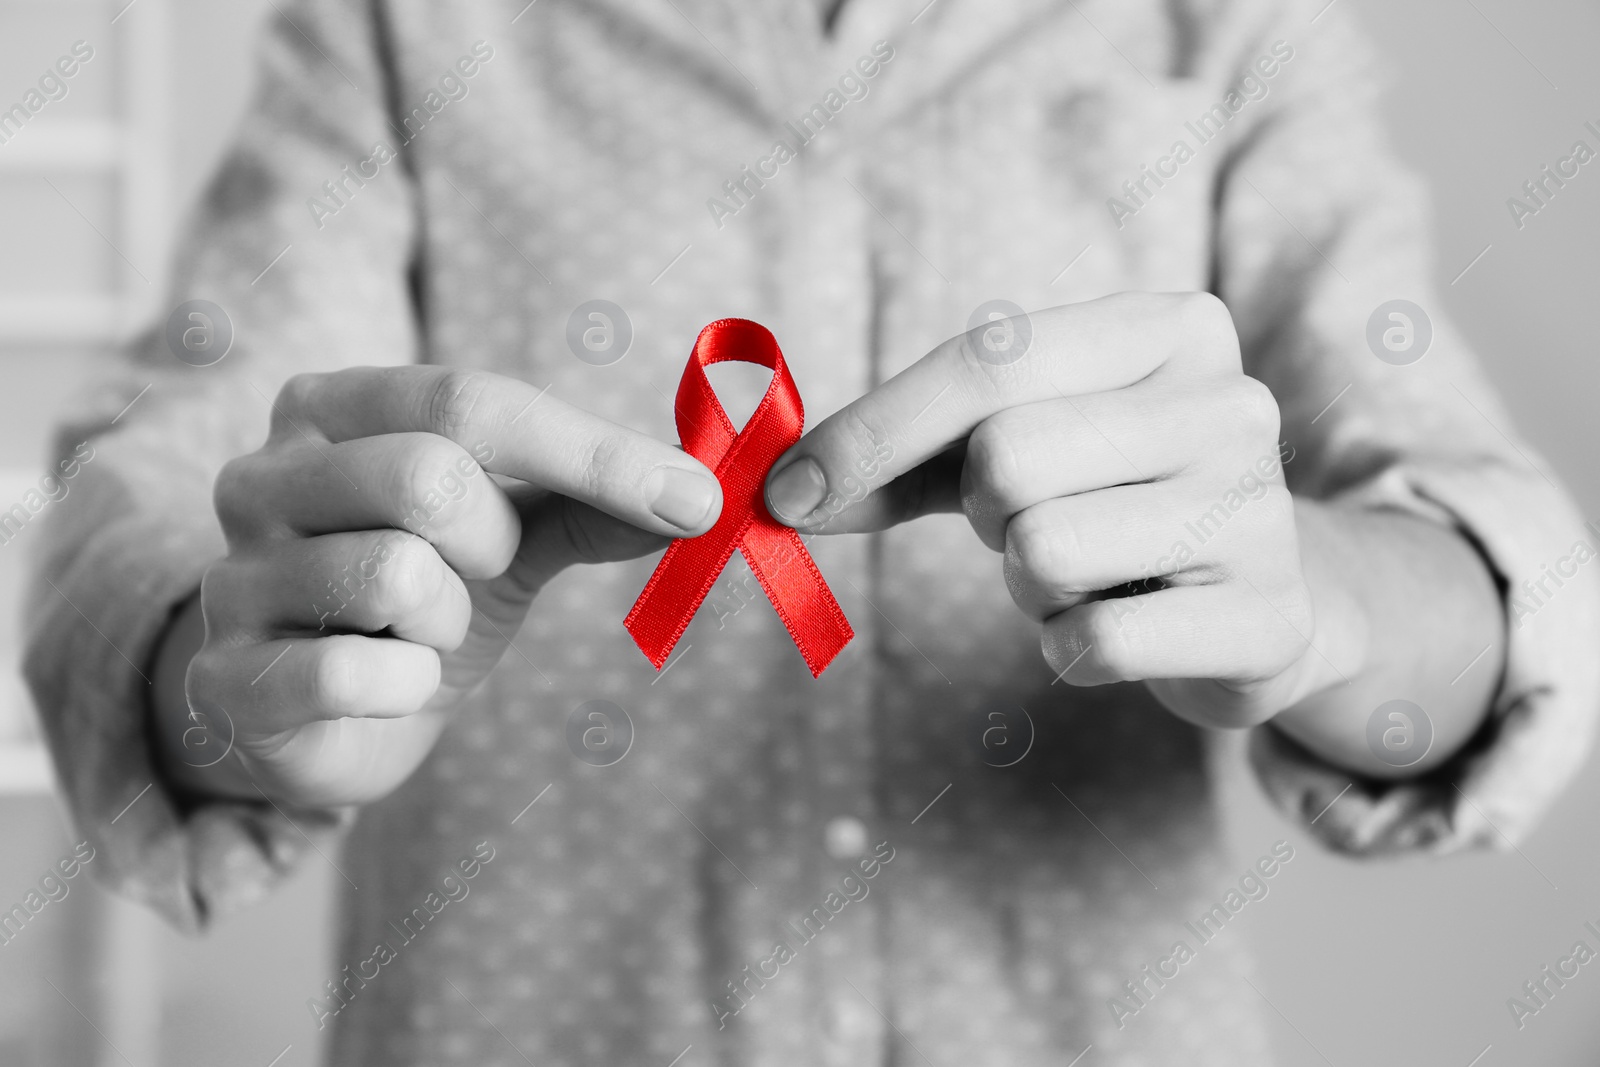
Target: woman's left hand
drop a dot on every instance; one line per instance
(1128, 469)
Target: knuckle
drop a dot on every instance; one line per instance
(425, 481)
(220, 596)
(1252, 405)
(335, 685)
(207, 674)
(992, 463)
(1044, 549)
(295, 396)
(234, 497)
(403, 571)
(1205, 318)
(1201, 308)
(237, 599)
(453, 396)
(297, 389)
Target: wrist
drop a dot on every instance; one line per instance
(1402, 603)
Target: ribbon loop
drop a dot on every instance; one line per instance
(741, 460)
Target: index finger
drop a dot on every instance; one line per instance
(935, 403)
(515, 429)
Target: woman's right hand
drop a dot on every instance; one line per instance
(376, 573)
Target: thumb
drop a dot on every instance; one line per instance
(931, 487)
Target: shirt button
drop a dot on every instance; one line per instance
(845, 837)
(848, 1022)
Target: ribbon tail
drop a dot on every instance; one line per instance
(798, 593)
(680, 584)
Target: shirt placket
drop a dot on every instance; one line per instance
(851, 1010)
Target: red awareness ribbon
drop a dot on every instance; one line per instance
(741, 460)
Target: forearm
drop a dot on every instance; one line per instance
(1405, 609)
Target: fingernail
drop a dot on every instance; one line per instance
(794, 492)
(680, 497)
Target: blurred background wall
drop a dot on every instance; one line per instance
(1375, 965)
(92, 980)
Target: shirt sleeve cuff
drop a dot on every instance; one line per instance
(1542, 721)
(98, 619)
